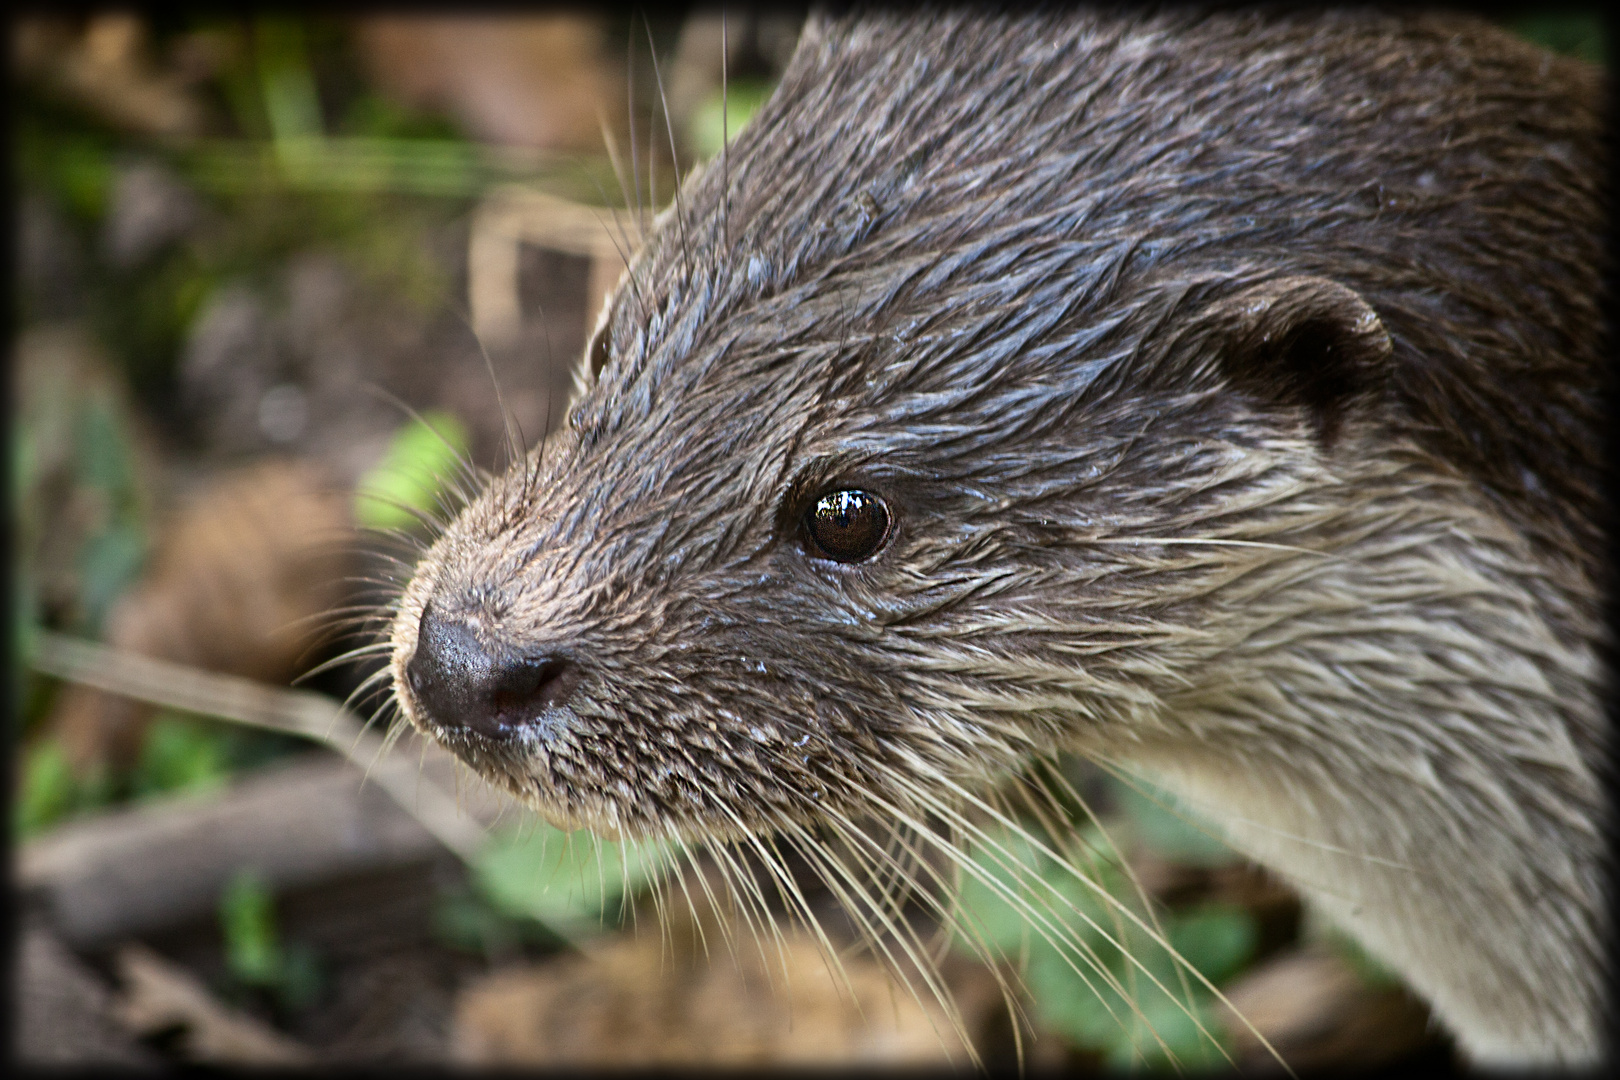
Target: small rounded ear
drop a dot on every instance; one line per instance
(1302, 341)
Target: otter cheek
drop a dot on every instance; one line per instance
(466, 686)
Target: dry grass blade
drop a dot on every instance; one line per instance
(243, 701)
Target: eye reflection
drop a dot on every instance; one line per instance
(847, 525)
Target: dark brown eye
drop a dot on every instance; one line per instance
(847, 525)
(599, 353)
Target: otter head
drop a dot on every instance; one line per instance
(890, 455)
(1146, 387)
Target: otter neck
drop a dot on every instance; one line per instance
(1409, 747)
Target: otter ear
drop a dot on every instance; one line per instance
(1305, 342)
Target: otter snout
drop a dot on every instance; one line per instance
(462, 683)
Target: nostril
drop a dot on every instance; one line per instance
(461, 683)
(525, 687)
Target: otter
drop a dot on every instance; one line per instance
(1212, 392)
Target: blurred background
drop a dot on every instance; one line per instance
(274, 278)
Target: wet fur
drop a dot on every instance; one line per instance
(1027, 278)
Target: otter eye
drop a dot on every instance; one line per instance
(848, 525)
(599, 353)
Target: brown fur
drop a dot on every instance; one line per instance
(1233, 380)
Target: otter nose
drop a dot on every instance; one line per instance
(462, 684)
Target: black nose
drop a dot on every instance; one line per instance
(463, 684)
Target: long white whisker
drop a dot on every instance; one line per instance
(1103, 894)
(675, 161)
(630, 105)
(1048, 923)
(1212, 541)
(1124, 775)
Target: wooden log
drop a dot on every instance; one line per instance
(160, 995)
(295, 712)
(158, 864)
(65, 1011)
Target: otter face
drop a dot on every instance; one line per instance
(926, 446)
(1217, 393)
(830, 573)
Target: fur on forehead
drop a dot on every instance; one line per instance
(881, 243)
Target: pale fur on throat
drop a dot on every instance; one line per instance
(1399, 747)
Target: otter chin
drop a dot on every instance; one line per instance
(1215, 394)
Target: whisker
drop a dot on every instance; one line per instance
(1121, 773)
(725, 138)
(630, 105)
(813, 851)
(848, 886)
(611, 144)
(940, 901)
(758, 895)
(1213, 541)
(1069, 840)
(747, 900)
(715, 905)
(853, 837)
(423, 517)
(469, 468)
(1102, 894)
(675, 161)
(679, 877)
(621, 244)
(1048, 921)
(658, 883)
(350, 657)
(509, 422)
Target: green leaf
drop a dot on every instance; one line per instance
(48, 792)
(1164, 1032)
(180, 755)
(1216, 940)
(573, 882)
(1132, 1020)
(376, 116)
(104, 450)
(1094, 976)
(1015, 880)
(109, 563)
(84, 175)
(291, 101)
(1071, 994)
(302, 977)
(1168, 828)
(413, 473)
(467, 921)
(1577, 34)
(112, 555)
(742, 98)
(247, 919)
(982, 899)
